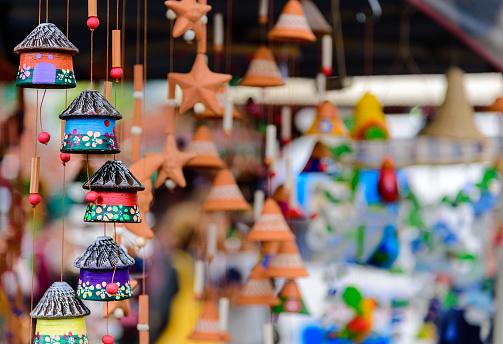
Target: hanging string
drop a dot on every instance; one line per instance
(117, 21)
(108, 37)
(67, 16)
(36, 126)
(39, 10)
(229, 38)
(40, 112)
(145, 22)
(92, 36)
(32, 270)
(123, 54)
(138, 11)
(171, 46)
(47, 11)
(63, 229)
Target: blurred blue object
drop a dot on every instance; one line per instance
(387, 251)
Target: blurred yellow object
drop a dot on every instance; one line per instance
(427, 331)
(369, 120)
(185, 310)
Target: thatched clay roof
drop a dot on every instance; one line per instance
(114, 175)
(59, 301)
(103, 254)
(90, 103)
(46, 37)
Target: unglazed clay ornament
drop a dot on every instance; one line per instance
(199, 85)
(173, 162)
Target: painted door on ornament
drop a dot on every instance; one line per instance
(44, 73)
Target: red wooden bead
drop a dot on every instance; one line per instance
(112, 288)
(116, 73)
(327, 71)
(34, 199)
(107, 339)
(44, 137)
(93, 23)
(65, 157)
(91, 196)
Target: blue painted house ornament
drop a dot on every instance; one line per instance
(46, 59)
(90, 125)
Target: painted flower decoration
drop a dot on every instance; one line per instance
(24, 72)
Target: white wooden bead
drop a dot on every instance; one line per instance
(140, 241)
(199, 108)
(189, 35)
(136, 130)
(170, 14)
(142, 327)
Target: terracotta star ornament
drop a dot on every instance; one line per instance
(188, 16)
(199, 85)
(172, 166)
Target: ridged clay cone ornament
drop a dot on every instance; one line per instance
(97, 265)
(258, 289)
(207, 327)
(291, 299)
(60, 316)
(328, 122)
(287, 263)
(315, 19)
(208, 114)
(207, 153)
(225, 194)
(271, 225)
(90, 125)
(263, 70)
(454, 119)
(369, 120)
(116, 194)
(46, 59)
(292, 26)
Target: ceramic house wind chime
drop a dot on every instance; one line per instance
(104, 271)
(60, 316)
(90, 125)
(113, 194)
(46, 59)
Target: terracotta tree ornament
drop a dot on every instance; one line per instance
(188, 16)
(271, 225)
(199, 85)
(258, 289)
(287, 263)
(207, 153)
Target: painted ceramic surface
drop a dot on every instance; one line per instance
(92, 285)
(290, 306)
(61, 331)
(112, 213)
(46, 69)
(90, 135)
